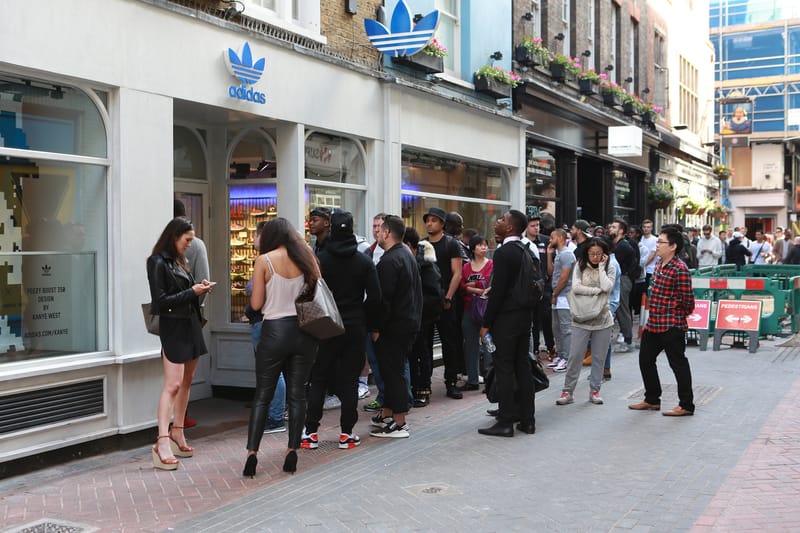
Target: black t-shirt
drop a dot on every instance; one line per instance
(446, 249)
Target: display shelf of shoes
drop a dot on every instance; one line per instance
(245, 214)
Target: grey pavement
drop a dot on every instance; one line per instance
(588, 467)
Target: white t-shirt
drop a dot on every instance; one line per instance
(650, 243)
(757, 249)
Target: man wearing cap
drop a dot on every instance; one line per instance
(349, 275)
(448, 259)
(580, 235)
(737, 253)
(319, 225)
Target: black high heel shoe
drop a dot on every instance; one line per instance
(250, 466)
(290, 463)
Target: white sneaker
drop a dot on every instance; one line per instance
(331, 402)
(363, 391)
(565, 398)
(480, 379)
(555, 362)
(561, 367)
(624, 348)
(595, 398)
(620, 339)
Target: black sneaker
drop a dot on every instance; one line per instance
(470, 386)
(392, 431)
(454, 392)
(381, 422)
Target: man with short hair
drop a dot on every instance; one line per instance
(671, 301)
(375, 252)
(449, 261)
(397, 324)
(509, 324)
(454, 227)
(649, 240)
(760, 249)
(542, 322)
(560, 261)
(778, 246)
(709, 248)
(629, 266)
(319, 225)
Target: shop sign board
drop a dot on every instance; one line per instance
(248, 72)
(625, 141)
(741, 315)
(402, 37)
(699, 317)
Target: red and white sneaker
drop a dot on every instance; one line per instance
(348, 441)
(595, 398)
(309, 441)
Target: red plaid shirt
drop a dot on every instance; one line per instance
(671, 297)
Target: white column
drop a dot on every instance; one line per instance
(291, 170)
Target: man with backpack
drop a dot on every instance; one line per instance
(507, 318)
(627, 256)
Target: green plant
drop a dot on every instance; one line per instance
(497, 73)
(722, 171)
(612, 87)
(534, 46)
(592, 76)
(435, 48)
(571, 65)
(661, 194)
(687, 206)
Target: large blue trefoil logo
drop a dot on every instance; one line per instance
(404, 38)
(247, 72)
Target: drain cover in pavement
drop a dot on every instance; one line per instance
(431, 489)
(703, 394)
(48, 525)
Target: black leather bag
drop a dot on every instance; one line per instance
(318, 315)
(151, 321)
(540, 380)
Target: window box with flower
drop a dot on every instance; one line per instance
(650, 114)
(612, 93)
(589, 82)
(530, 52)
(660, 195)
(692, 207)
(495, 81)
(564, 67)
(631, 105)
(429, 60)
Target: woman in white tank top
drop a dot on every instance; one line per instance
(285, 267)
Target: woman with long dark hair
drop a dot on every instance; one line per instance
(284, 269)
(174, 296)
(592, 281)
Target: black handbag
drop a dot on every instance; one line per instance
(151, 321)
(318, 315)
(540, 380)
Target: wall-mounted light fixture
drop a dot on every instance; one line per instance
(586, 53)
(559, 36)
(646, 90)
(235, 7)
(528, 16)
(497, 56)
(609, 68)
(629, 79)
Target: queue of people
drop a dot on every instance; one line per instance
(565, 286)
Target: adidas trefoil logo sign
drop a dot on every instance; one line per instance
(247, 72)
(403, 38)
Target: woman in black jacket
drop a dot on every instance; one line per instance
(175, 298)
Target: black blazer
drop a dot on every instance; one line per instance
(171, 292)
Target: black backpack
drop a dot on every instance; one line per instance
(528, 287)
(432, 292)
(635, 270)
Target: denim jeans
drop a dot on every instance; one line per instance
(277, 407)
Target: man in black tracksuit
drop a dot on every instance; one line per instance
(398, 324)
(510, 325)
(349, 274)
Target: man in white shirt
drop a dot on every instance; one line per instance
(760, 249)
(709, 248)
(649, 240)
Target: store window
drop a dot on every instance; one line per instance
(253, 198)
(624, 204)
(478, 192)
(335, 177)
(53, 221)
(188, 156)
(540, 183)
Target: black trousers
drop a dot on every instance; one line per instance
(392, 349)
(512, 366)
(673, 342)
(337, 368)
(543, 322)
(452, 344)
(420, 362)
(282, 348)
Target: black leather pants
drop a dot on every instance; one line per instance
(282, 348)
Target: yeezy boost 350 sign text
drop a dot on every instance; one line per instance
(248, 72)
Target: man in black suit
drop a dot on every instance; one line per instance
(509, 323)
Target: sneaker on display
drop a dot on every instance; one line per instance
(348, 441)
(237, 242)
(236, 227)
(331, 402)
(309, 442)
(595, 397)
(392, 431)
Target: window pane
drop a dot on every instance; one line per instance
(334, 197)
(53, 257)
(52, 118)
(188, 157)
(540, 183)
(333, 159)
(429, 173)
(481, 217)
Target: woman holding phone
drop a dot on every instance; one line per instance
(175, 298)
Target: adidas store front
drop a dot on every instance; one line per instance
(92, 154)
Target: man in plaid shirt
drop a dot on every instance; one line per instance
(670, 302)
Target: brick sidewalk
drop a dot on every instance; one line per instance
(122, 491)
(762, 492)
